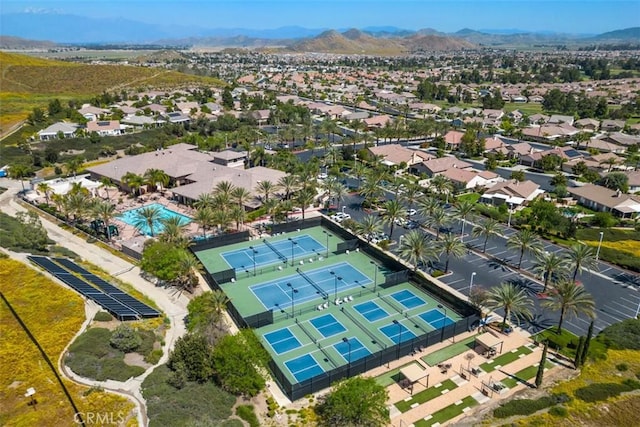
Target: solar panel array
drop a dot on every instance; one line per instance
(118, 303)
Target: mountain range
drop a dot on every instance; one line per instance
(80, 30)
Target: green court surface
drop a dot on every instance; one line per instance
(445, 414)
(524, 375)
(505, 358)
(323, 335)
(393, 376)
(425, 395)
(449, 351)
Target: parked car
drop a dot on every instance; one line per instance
(340, 216)
(411, 224)
(400, 221)
(411, 212)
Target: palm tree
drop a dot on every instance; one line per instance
(512, 300)
(222, 200)
(74, 165)
(462, 209)
(222, 218)
(486, 229)
(133, 181)
(411, 194)
(173, 231)
(78, 204)
(288, 184)
(427, 206)
(105, 211)
(392, 211)
(265, 188)
(451, 245)
(240, 196)
(305, 198)
(417, 249)
(19, 171)
(442, 185)
(205, 219)
(45, 188)
(580, 257)
(224, 187)
(153, 177)
(368, 226)
(106, 183)
(209, 310)
(371, 192)
(438, 219)
(524, 240)
(188, 267)
(147, 216)
(205, 200)
(548, 265)
(237, 214)
(569, 298)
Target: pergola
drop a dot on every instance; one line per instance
(489, 341)
(414, 373)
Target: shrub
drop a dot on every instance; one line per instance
(528, 406)
(602, 391)
(604, 220)
(103, 316)
(153, 357)
(125, 338)
(246, 413)
(622, 336)
(558, 411)
(622, 367)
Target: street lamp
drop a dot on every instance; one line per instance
(375, 276)
(638, 310)
(254, 252)
(399, 337)
(599, 245)
(343, 208)
(349, 360)
(443, 320)
(293, 292)
(510, 212)
(335, 284)
(328, 235)
(471, 282)
(293, 244)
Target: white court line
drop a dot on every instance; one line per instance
(604, 313)
(632, 302)
(626, 307)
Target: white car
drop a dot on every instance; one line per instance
(411, 212)
(340, 216)
(322, 176)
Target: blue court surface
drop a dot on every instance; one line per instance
(304, 367)
(393, 331)
(327, 325)
(275, 252)
(282, 340)
(310, 285)
(371, 311)
(408, 299)
(353, 350)
(436, 318)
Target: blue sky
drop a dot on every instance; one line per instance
(569, 16)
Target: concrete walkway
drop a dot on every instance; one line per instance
(174, 305)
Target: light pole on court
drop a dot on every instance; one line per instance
(399, 337)
(328, 235)
(471, 282)
(375, 276)
(444, 317)
(293, 244)
(349, 360)
(599, 245)
(335, 284)
(293, 292)
(638, 310)
(253, 253)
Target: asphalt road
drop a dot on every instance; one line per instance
(615, 291)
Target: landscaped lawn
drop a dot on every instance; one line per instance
(566, 343)
(394, 375)
(448, 352)
(505, 359)
(618, 246)
(525, 374)
(469, 197)
(425, 395)
(445, 414)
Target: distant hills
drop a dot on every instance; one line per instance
(81, 30)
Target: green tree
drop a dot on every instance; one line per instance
(392, 211)
(104, 211)
(549, 265)
(462, 209)
(580, 257)
(149, 217)
(355, 402)
(518, 176)
(437, 220)
(162, 260)
(156, 178)
(486, 228)
(204, 217)
(239, 361)
(512, 300)
(369, 226)
(133, 181)
(265, 188)
(125, 338)
(19, 171)
(451, 245)
(227, 99)
(173, 231)
(74, 165)
(616, 181)
(192, 357)
(417, 249)
(587, 343)
(46, 189)
(577, 360)
(524, 241)
(569, 298)
(543, 361)
(206, 314)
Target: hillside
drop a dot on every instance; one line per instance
(629, 34)
(28, 82)
(357, 42)
(9, 42)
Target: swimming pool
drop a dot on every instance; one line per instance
(132, 217)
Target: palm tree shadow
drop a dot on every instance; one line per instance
(528, 286)
(497, 265)
(538, 323)
(628, 279)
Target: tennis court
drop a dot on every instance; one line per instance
(436, 318)
(282, 340)
(352, 349)
(371, 311)
(408, 299)
(327, 325)
(304, 367)
(397, 332)
(272, 252)
(308, 285)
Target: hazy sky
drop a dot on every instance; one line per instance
(570, 16)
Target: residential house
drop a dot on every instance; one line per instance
(597, 163)
(377, 122)
(358, 115)
(105, 127)
(436, 166)
(58, 130)
(396, 155)
(92, 113)
(535, 98)
(492, 144)
(141, 121)
(612, 125)
(516, 116)
(512, 192)
(538, 119)
(605, 147)
(622, 139)
(452, 139)
(557, 119)
(261, 116)
(603, 199)
(471, 178)
(177, 117)
(230, 158)
(187, 107)
(634, 180)
(566, 153)
(590, 125)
